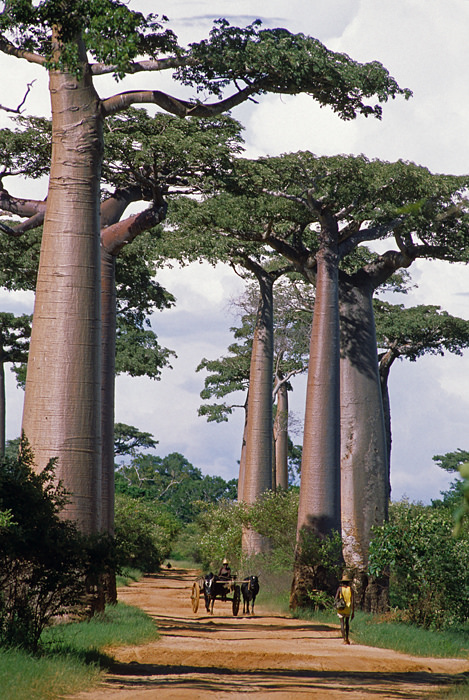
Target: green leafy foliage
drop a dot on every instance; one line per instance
(44, 560)
(320, 600)
(413, 332)
(169, 154)
(429, 567)
(128, 438)
(173, 482)
(138, 352)
(462, 512)
(112, 32)
(20, 260)
(15, 332)
(274, 515)
(452, 461)
(26, 149)
(144, 532)
(278, 61)
(220, 527)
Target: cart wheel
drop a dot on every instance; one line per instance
(236, 599)
(195, 595)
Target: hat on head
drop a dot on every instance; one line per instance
(345, 578)
(225, 560)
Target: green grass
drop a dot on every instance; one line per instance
(410, 639)
(23, 677)
(127, 576)
(72, 655)
(380, 631)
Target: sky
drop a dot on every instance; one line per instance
(423, 44)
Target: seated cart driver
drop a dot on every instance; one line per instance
(225, 571)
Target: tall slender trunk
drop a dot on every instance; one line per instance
(258, 464)
(111, 211)
(62, 408)
(364, 467)
(384, 367)
(319, 504)
(281, 437)
(242, 459)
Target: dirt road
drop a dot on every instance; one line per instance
(266, 656)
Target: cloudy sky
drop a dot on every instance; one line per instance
(423, 43)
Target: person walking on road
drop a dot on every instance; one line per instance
(346, 609)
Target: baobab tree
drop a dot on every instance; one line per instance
(351, 200)
(293, 304)
(76, 44)
(225, 229)
(145, 159)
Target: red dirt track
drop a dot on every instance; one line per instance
(265, 656)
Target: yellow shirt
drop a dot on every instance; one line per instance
(346, 593)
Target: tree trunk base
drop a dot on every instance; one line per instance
(310, 578)
(371, 594)
(253, 543)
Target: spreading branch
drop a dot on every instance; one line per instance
(12, 50)
(17, 110)
(173, 105)
(141, 66)
(116, 236)
(368, 234)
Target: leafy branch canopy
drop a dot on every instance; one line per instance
(58, 34)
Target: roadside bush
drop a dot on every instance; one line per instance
(317, 569)
(429, 567)
(220, 529)
(275, 516)
(44, 561)
(143, 533)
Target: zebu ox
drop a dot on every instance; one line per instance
(249, 590)
(215, 587)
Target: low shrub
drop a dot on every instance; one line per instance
(429, 567)
(45, 563)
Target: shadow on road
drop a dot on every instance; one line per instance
(135, 676)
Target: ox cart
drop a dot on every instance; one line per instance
(211, 587)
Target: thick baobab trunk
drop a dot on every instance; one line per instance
(62, 408)
(281, 437)
(364, 469)
(319, 504)
(258, 458)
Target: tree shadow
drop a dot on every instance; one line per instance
(199, 679)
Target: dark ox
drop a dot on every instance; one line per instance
(249, 589)
(214, 588)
